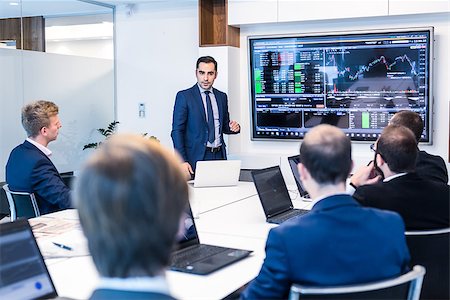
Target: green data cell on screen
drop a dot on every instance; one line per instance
(365, 120)
(258, 87)
(257, 74)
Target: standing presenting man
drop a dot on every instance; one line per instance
(29, 168)
(200, 118)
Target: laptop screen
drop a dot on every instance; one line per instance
(293, 162)
(272, 190)
(189, 235)
(23, 273)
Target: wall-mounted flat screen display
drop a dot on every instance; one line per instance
(353, 80)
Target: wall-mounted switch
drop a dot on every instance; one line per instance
(141, 110)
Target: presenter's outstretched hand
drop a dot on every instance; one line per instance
(187, 169)
(234, 126)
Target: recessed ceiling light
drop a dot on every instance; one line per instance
(14, 3)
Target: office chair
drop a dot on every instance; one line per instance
(4, 206)
(406, 286)
(430, 248)
(21, 204)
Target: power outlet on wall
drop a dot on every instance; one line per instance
(141, 110)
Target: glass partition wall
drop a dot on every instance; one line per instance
(61, 51)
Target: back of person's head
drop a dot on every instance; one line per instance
(36, 115)
(327, 154)
(130, 196)
(207, 60)
(397, 145)
(409, 119)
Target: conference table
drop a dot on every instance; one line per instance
(224, 216)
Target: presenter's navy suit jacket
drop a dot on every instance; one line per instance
(189, 125)
(338, 242)
(29, 170)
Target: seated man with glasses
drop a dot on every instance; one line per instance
(390, 182)
(427, 165)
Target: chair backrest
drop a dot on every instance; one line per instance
(406, 286)
(21, 204)
(4, 206)
(430, 248)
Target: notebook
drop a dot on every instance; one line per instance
(217, 173)
(192, 257)
(23, 273)
(293, 162)
(274, 196)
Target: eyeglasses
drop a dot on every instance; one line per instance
(374, 149)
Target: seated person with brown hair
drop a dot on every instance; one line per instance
(338, 242)
(422, 203)
(428, 166)
(130, 197)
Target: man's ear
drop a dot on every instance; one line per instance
(304, 173)
(43, 131)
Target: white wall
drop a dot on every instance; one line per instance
(83, 88)
(99, 48)
(157, 48)
(361, 154)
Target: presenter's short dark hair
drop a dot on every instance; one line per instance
(326, 153)
(207, 60)
(397, 145)
(409, 119)
(130, 196)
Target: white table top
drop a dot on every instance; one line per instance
(226, 216)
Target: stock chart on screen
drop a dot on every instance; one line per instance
(356, 81)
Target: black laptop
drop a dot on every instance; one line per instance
(274, 196)
(23, 273)
(293, 162)
(192, 257)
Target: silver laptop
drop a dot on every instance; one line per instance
(217, 173)
(23, 273)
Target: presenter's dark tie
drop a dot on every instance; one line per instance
(209, 112)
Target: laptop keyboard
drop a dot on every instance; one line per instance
(287, 215)
(190, 255)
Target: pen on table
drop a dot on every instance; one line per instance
(62, 246)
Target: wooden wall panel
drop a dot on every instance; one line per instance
(33, 32)
(213, 24)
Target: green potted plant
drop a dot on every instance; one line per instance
(111, 129)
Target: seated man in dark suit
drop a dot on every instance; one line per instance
(29, 168)
(130, 197)
(423, 204)
(428, 166)
(339, 241)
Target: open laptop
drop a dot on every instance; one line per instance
(23, 273)
(293, 162)
(274, 196)
(192, 257)
(217, 173)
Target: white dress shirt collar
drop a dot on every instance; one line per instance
(44, 149)
(394, 176)
(202, 90)
(314, 201)
(156, 284)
